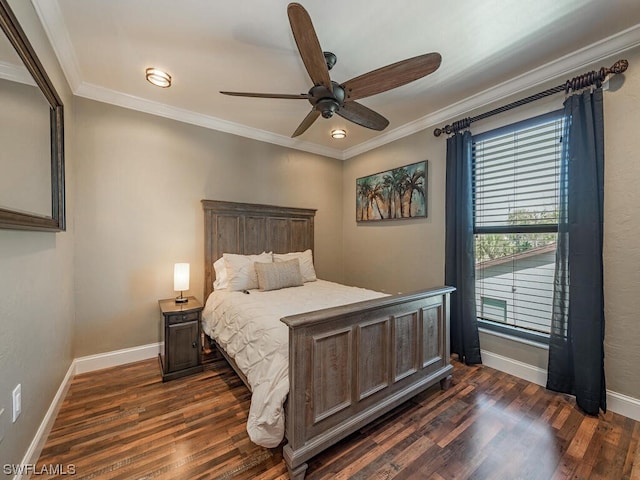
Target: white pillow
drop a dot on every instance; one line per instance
(221, 282)
(241, 274)
(274, 276)
(306, 263)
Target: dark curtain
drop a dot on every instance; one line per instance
(576, 350)
(459, 250)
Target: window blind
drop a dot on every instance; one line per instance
(516, 187)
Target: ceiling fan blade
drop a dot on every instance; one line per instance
(302, 96)
(306, 123)
(308, 45)
(391, 76)
(358, 113)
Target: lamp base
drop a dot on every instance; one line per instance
(182, 299)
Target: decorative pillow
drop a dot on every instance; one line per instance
(306, 263)
(274, 276)
(241, 274)
(221, 282)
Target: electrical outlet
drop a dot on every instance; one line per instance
(17, 402)
(1, 424)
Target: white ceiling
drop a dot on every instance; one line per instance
(487, 48)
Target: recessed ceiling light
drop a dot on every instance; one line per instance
(338, 133)
(158, 77)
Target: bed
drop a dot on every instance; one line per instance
(348, 364)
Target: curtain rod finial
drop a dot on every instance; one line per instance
(620, 66)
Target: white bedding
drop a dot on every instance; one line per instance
(248, 327)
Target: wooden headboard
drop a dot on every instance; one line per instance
(248, 229)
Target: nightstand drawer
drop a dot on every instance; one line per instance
(183, 317)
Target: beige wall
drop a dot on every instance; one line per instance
(396, 255)
(407, 255)
(37, 301)
(140, 179)
(622, 231)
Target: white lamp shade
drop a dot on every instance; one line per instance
(181, 277)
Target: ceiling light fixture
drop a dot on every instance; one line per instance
(338, 133)
(158, 77)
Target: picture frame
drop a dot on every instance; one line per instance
(28, 75)
(398, 193)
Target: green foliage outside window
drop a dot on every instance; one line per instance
(496, 245)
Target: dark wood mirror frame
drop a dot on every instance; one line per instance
(14, 219)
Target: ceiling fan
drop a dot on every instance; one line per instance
(328, 97)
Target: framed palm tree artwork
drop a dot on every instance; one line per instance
(394, 194)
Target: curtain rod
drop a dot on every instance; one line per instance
(576, 83)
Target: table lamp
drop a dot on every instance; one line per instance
(181, 280)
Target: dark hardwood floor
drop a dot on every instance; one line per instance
(124, 423)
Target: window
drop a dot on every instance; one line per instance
(493, 309)
(516, 182)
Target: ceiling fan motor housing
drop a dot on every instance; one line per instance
(325, 101)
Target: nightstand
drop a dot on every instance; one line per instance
(181, 325)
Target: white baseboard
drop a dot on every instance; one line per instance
(117, 357)
(81, 365)
(34, 450)
(616, 402)
(513, 367)
(624, 405)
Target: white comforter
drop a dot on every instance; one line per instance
(248, 327)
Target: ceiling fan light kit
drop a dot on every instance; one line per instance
(338, 133)
(158, 77)
(328, 97)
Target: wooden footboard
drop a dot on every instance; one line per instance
(349, 365)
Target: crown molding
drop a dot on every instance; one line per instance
(16, 73)
(105, 95)
(53, 22)
(608, 47)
